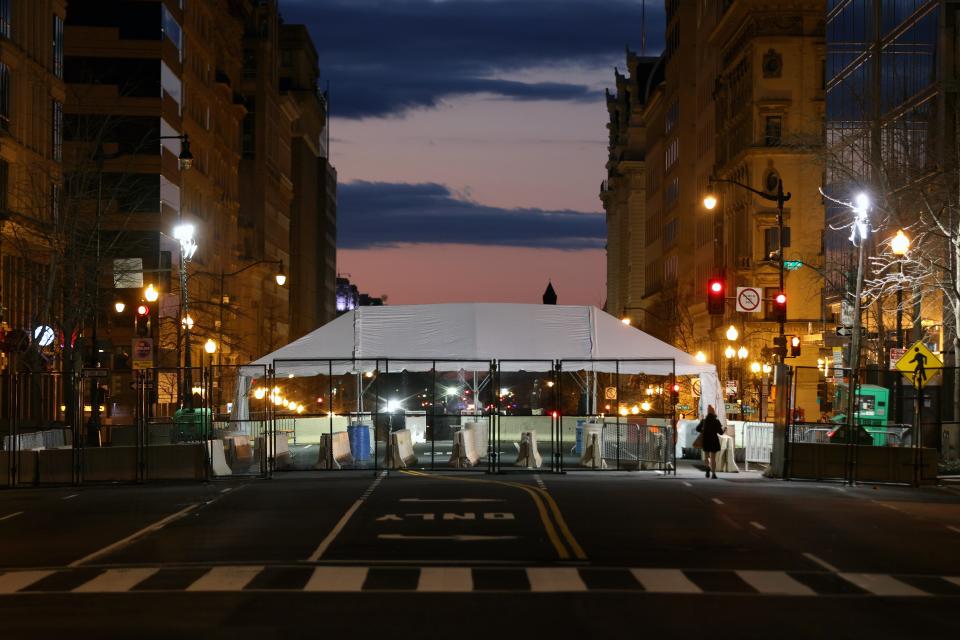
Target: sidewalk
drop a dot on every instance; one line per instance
(691, 469)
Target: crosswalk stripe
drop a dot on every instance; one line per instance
(449, 579)
(665, 581)
(555, 579)
(16, 580)
(115, 581)
(775, 582)
(225, 579)
(336, 579)
(882, 585)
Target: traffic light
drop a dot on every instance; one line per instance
(143, 321)
(780, 307)
(674, 395)
(716, 296)
(795, 346)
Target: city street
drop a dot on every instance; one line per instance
(608, 554)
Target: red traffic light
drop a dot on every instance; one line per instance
(676, 388)
(715, 296)
(143, 310)
(795, 341)
(781, 298)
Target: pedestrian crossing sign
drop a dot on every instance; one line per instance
(919, 364)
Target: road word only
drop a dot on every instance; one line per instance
(469, 515)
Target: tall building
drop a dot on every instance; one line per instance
(623, 193)
(266, 174)
(32, 95)
(736, 95)
(313, 251)
(891, 74)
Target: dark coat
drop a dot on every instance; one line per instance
(711, 429)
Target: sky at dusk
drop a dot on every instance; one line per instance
(470, 141)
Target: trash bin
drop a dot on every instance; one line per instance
(359, 436)
(578, 447)
(191, 424)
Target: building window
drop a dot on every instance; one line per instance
(673, 114)
(4, 96)
(769, 310)
(672, 192)
(4, 178)
(57, 120)
(5, 17)
(771, 244)
(171, 29)
(773, 131)
(55, 198)
(57, 46)
(671, 155)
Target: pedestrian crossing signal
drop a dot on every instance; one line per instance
(795, 347)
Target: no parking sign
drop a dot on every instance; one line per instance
(749, 299)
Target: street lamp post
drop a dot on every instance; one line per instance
(900, 244)
(780, 372)
(710, 202)
(858, 237)
(188, 246)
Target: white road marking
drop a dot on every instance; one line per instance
(225, 490)
(823, 563)
(119, 544)
(450, 500)
(539, 481)
(326, 542)
(555, 579)
(13, 582)
(11, 515)
(775, 582)
(952, 579)
(757, 525)
(70, 497)
(225, 579)
(952, 528)
(336, 579)
(717, 500)
(665, 581)
(446, 579)
(455, 538)
(888, 506)
(687, 484)
(115, 581)
(882, 585)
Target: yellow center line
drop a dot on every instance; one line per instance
(539, 497)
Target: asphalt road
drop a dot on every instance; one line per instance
(474, 555)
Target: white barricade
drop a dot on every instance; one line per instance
(480, 437)
(757, 442)
(334, 451)
(528, 454)
(400, 450)
(218, 459)
(464, 453)
(592, 457)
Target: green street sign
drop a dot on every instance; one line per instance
(683, 407)
(792, 265)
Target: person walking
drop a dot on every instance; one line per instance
(710, 429)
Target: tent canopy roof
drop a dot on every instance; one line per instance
(469, 335)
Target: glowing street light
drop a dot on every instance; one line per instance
(900, 243)
(700, 356)
(151, 294)
(187, 321)
(625, 321)
(119, 305)
(281, 276)
(732, 333)
(755, 367)
(709, 202)
(742, 353)
(210, 346)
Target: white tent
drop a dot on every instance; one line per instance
(525, 337)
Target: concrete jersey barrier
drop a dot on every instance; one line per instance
(334, 451)
(400, 450)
